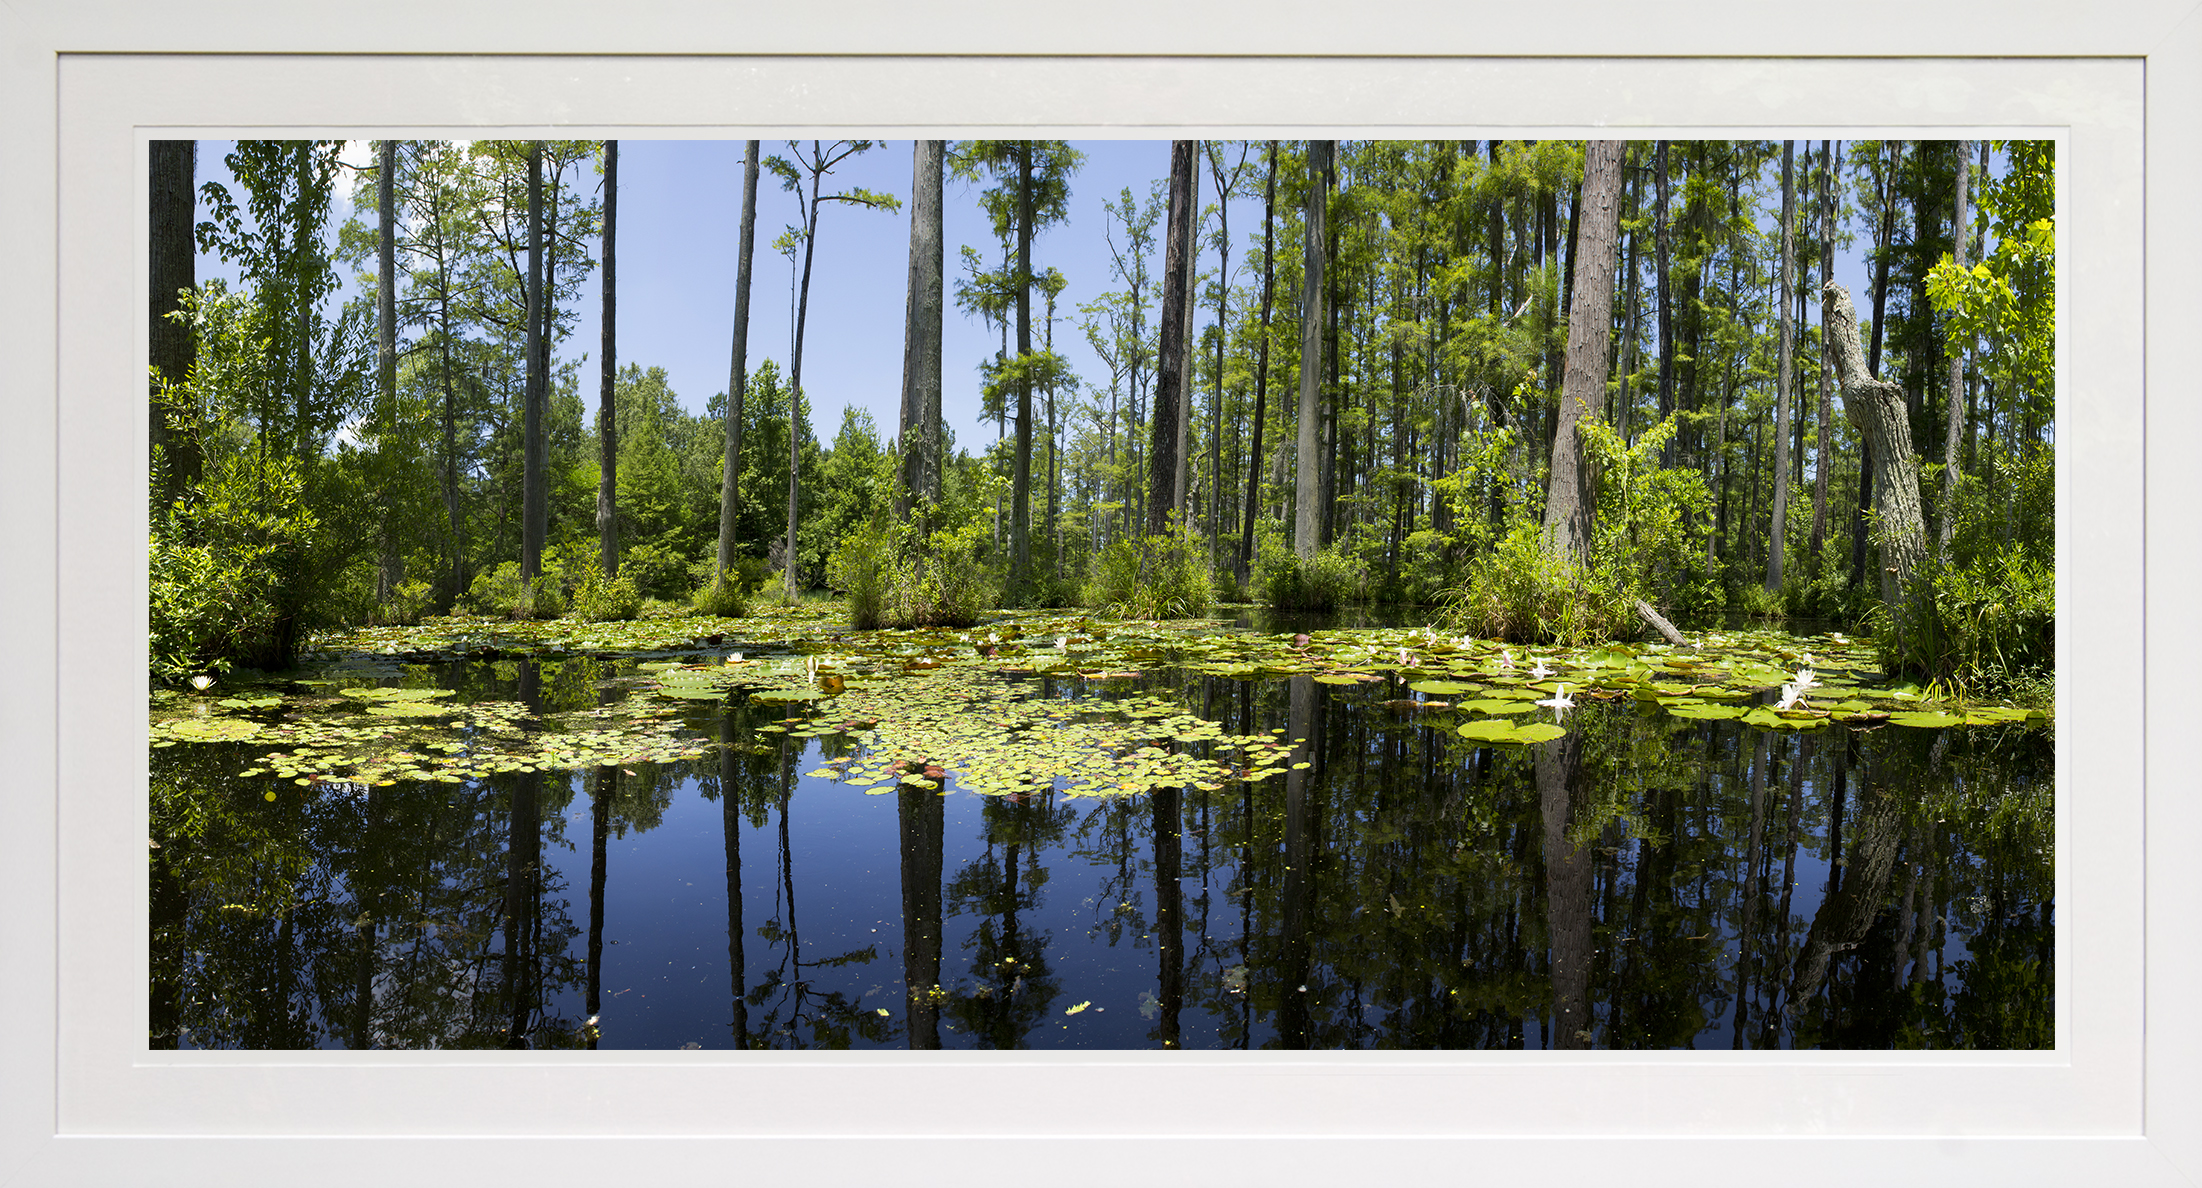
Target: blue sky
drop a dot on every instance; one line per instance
(679, 215)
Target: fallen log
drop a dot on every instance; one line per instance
(1661, 625)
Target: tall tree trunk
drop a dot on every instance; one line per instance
(172, 174)
(1223, 292)
(1777, 535)
(1181, 484)
(1956, 352)
(1883, 248)
(1020, 516)
(1261, 368)
(1573, 497)
(535, 507)
(1823, 454)
(1170, 357)
(921, 335)
(1876, 407)
(607, 424)
(790, 568)
(730, 487)
(388, 563)
(1623, 410)
(1660, 236)
(1306, 518)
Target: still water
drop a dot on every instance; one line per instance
(1644, 882)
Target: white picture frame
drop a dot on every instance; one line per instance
(85, 86)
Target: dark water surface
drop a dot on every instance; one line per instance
(1643, 883)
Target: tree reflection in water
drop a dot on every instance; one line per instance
(1643, 882)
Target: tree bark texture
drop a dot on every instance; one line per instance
(730, 489)
(1170, 356)
(1261, 369)
(921, 335)
(1181, 484)
(388, 563)
(1956, 418)
(1777, 533)
(1307, 511)
(607, 424)
(1876, 408)
(534, 504)
(172, 347)
(1020, 491)
(1822, 453)
(1573, 497)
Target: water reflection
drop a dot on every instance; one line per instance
(1643, 882)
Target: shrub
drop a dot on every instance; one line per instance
(599, 599)
(725, 596)
(234, 572)
(889, 582)
(862, 567)
(1521, 594)
(654, 570)
(1156, 577)
(1988, 624)
(1325, 581)
(501, 592)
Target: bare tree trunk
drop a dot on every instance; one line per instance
(730, 488)
(1876, 407)
(1572, 498)
(1020, 517)
(1307, 512)
(921, 335)
(534, 511)
(1660, 237)
(1170, 356)
(607, 424)
(1181, 486)
(388, 564)
(1956, 419)
(1823, 455)
(1777, 535)
(790, 567)
(1261, 369)
(172, 169)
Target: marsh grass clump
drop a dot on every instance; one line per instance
(1154, 577)
(725, 596)
(1521, 594)
(601, 599)
(888, 580)
(1325, 581)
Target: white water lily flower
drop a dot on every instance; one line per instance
(1405, 660)
(1790, 696)
(1560, 703)
(1062, 643)
(1540, 671)
(1806, 678)
(202, 682)
(1506, 660)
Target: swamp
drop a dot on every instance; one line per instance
(1447, 594)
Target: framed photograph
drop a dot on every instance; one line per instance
(88, 88)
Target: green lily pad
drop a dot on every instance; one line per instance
(1442, 688)
(1926, 719)
(1705, 711)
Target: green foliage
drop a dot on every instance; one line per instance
(653, 570)
(726, 596)
(1522, 594)
(862, 568)
(1325, 581)
(1990, 625)
(1154, 577)
(502, 592)
(2008, 301)
(1643, 544)
(890, 580)
(598, 599)
(233, 571)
